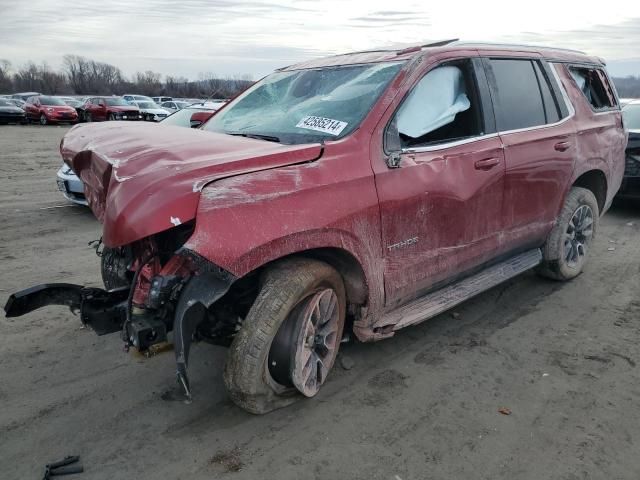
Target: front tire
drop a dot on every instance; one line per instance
(87, 117)
(290, 338)
(114, 267)
(43, 119)
(568, 245)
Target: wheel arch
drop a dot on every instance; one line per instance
(594, 180)
(346, 264)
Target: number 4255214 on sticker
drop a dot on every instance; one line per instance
(321, 124)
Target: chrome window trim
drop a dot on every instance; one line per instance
(442, 146)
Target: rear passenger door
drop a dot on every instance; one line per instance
(539, 142)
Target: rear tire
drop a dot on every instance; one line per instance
(87, 117)
(568, 245)
(112, 117)
(277, 337)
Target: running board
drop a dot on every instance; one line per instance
(448, 297)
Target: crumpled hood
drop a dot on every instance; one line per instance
(141, 179)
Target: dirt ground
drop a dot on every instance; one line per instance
(422, 405)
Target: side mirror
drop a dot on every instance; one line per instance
(392, 144)
(198, 118)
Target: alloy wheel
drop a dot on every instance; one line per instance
(578, 236)
(317, 342)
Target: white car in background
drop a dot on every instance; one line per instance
(174, 105)
(151, 111)
(130, 98)
(160, 100)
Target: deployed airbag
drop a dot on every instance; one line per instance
(435, 102)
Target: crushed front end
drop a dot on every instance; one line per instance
(154, 287)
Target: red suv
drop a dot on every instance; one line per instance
(45, 109)
(363, 192)
(98, 109)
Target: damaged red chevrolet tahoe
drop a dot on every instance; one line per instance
(362, 192)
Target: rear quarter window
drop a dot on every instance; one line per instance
(595, 86)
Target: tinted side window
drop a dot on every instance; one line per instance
(550, 105)
(516, 95)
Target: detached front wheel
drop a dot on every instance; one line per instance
(569, 243)
(290, 338)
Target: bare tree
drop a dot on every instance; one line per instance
(6, 84)
(89, 76)
(148, 83)
(82, 75)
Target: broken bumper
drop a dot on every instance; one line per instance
(104, 311)
(110, 311)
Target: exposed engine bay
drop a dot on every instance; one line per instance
(154, 287)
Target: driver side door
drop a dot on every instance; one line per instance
(441, 207)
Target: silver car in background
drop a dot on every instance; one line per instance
(70, 185)
(174, 105)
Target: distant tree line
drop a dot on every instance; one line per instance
(80, 75)
(83, 76)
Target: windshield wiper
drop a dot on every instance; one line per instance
(268, 138)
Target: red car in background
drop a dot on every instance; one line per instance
(46, 109)
(97, 109)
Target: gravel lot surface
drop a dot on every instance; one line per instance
(561, 358)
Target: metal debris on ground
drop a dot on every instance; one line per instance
(63, 467)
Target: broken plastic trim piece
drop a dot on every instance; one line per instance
(200, 292)
(104, 311)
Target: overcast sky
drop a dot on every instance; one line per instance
(226, 37)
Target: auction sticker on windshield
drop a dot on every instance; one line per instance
(321, 124)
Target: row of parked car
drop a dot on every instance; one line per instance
(46, 109)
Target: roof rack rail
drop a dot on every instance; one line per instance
(417, 48)
(498, 44)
